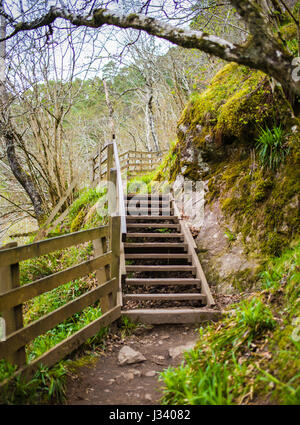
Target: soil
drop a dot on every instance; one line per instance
(108, 383)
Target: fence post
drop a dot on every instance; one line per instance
(112, 192)
(110, 159)
(10, 279)
(115, 242)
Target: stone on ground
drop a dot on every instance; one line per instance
(129, 356)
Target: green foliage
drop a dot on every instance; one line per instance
(250, 354)
(73, 324)
(271, 146)
(47, 385)
(230, 235)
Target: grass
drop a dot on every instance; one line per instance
(271, 146)
(48, 384)
(251, 354)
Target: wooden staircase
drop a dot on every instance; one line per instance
(164, 281)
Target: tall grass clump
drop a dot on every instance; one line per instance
(271, 146)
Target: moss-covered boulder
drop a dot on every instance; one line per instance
(216, 143)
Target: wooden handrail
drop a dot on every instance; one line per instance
(36, 249)
(26, 292)
(120, 191)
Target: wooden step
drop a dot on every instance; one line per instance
(153, 225)
(147, 202)
(154, 235)
(158, 257)
(159, 268)
(165, 297)
(143, 211)
(157, 316)
(155, 245)
(146, 197)
(151, 217)
(162, 281)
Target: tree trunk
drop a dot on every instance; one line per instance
(9, 137)
(151, 131)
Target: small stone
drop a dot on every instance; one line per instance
(165, 337)
(150, 373)
(148, 397)
(107, 391)
(129, 356)
(160, 342)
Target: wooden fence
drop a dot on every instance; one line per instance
(133, 162)
(108, 262)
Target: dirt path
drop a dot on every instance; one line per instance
(108, 383)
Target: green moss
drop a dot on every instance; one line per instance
(262, 189)
(78, 220)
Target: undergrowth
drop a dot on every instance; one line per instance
(253, 354)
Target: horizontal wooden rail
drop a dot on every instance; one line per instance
(65, 347)
(25, 335)
(26, 292)
(24, 252)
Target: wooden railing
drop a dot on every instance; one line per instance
(108, 262)
(132, 162)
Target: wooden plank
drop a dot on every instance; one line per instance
(115, 241)
(102, 273)
(23, 336)
(10, 279)
(162, 281)
(165, 297)
(152, 217)
(112, 191)
(161, 268)
(26, 292)
(110, 159)
(120, 191)
(155, 245)
(145, 197)
(153, 226)
(154, 235)
(195, 260)
(172, 316)
(70, 344)
(36, 249)
(158, 257)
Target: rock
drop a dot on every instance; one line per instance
(148, 397)
(150, 374)
(165, 337)
(129, 376)
(160, 357)
(177, 351)
(160, 342)
(129, 356)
